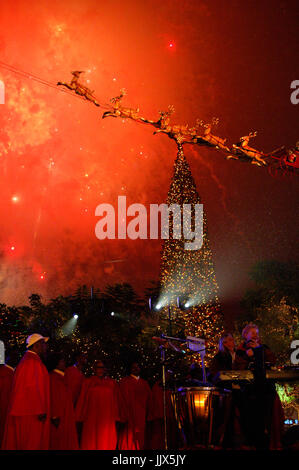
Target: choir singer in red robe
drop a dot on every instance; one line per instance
(6, 379)
(74, 376)
(27, 424)
(135, 400)
(97, 409)
(63, 433)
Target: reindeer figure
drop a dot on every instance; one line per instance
(206, 138)
(242, 149)
(194, 131)
(177, 132)
(181, 134)
(246, 138)
(211, 139)
(117, 99)
(78, 88)
(119, 110)
(116, 102)
(163, 121)
(76, 75)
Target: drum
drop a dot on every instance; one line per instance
(201, 414)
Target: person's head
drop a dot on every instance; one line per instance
(99, 368)
(227, 343)
(80, 359)
(56, 360)
(195, 371)
(168, 374)
(12, 358)
(37, 344)
(135, 369)
(61, 364)
(250, 332)
(40, 348)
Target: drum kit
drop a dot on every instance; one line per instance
(201, 412)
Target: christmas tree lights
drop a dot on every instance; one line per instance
(189, 272)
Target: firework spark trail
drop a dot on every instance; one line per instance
(223, 198)
(42, 200)
(38, 219)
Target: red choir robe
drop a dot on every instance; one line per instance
(135, 399)
(74, 380)
(157, 440)
(97, 408)
(63, 437)
(29, 399)
(6, 378)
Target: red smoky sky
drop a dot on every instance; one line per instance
(58, 159)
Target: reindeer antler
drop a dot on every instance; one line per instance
(169, 112)
(249, 136)
(123, 93)
(215, 121)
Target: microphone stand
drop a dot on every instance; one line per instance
(163, 361)
(162, 350)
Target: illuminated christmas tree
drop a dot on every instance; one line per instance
(188, 273)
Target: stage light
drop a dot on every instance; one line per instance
(154, 303)
(68, 328)
(183, 302)
(112, 314)
(158, 302)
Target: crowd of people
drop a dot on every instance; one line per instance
(45, 405)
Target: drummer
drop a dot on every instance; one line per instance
(225, 356)
(195, 375)
(224, 360)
